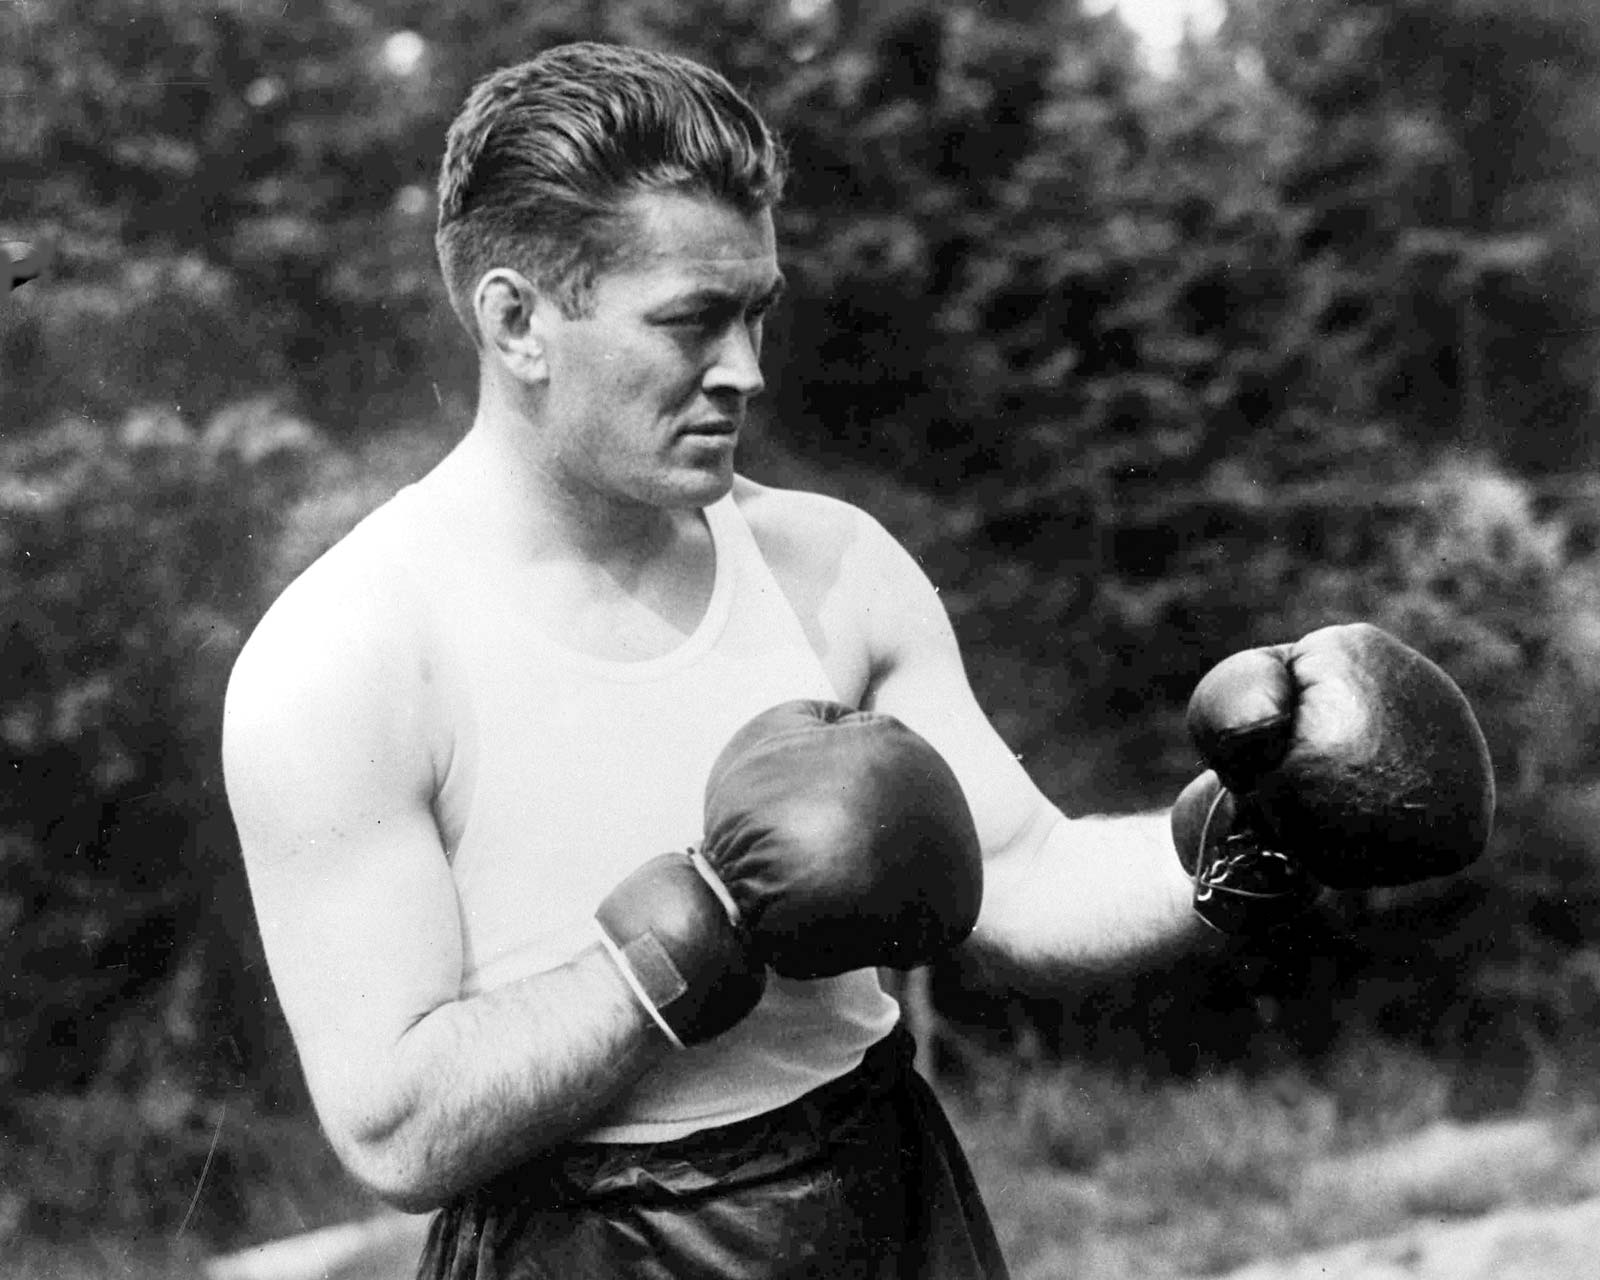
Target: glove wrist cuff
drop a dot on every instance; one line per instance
(668, 931)
(714, 882)
(652, 1000)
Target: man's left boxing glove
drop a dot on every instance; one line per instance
(1242, 882)
(1346, 759)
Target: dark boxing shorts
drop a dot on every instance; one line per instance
(862, 1177)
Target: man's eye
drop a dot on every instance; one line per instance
(695, 320)
(713, 318)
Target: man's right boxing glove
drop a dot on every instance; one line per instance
(1345, 759)
(676, 936)
(834, 840)
(844, 839)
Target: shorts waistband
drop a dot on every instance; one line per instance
(742, 1153)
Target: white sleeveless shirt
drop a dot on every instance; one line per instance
(570, 771)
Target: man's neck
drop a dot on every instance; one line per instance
(613, 580)
(533, 512)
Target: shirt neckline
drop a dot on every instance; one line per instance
(695, 644)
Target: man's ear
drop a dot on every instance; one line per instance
(506, 306)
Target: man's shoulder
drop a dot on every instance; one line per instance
(839, 567)
(327, 708)
(352, 605)
(800, 525)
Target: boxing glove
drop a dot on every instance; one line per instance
(1240, 884)
(833, 840)
(1346, 759)
(676, 937)
(844, 839)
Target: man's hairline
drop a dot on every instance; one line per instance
(586, 273)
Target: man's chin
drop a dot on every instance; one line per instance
(699, 487)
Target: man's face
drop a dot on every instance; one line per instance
(647, 392)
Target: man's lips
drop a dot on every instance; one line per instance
(716, 427)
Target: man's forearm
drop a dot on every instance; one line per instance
(482, 1083)
(1094, 895)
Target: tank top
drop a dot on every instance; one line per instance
(570, 771)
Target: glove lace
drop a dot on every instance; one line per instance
(1242, 860)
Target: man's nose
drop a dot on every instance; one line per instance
(736, 370)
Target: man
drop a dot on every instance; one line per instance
(461, 745)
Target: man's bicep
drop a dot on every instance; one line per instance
(919, 677)
(351, 888)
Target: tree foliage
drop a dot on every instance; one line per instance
(131, 560)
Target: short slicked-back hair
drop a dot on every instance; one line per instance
(544, 156)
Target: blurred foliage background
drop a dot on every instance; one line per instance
(1144, 368)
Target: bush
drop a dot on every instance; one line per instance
(131, 560)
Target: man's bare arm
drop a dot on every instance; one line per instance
(424, 1094)
(1061, 896)
(1094, 895)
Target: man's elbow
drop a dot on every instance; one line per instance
(412, 1199)
(416, 1170)
(398, 1175)
(392, 1158)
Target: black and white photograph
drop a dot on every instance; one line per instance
(776, 639)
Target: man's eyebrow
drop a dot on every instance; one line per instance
(711, 293)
